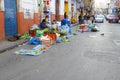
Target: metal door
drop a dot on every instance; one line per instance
(10, 18)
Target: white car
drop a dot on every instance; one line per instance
(99, 18)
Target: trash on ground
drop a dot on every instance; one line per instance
(102, 34)
(74, 34)
(37, 50)
(117, 42)
(94, 36)
(88, 28)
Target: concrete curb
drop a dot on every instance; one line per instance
(72, 25)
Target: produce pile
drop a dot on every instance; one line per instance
(87, 28)
(44, 38)
(55, 33)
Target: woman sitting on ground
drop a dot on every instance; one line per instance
(43, 24)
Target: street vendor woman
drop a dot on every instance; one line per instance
(43, 24)
(66, 21)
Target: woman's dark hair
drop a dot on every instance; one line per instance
(43, 20)
(88, 17)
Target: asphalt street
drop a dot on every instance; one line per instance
(88, 56)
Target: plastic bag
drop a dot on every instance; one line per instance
(59, 40)
(33, 27)
(34, 41)
(39, 33)
(90, 25)
(67, 36)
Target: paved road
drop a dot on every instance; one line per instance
(88, 56)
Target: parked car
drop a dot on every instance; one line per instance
(99, 18)
(113, 18)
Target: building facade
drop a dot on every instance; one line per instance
(17, 16)
(117, 5)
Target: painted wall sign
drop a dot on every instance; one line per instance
(29, 7)
(28, 13)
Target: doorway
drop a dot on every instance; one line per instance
(10, 17)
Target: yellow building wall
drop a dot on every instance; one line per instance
(66, 8)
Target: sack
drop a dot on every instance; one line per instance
(93, 29)
(59, 40)
(67, 36)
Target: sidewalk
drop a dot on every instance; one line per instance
(7, 45)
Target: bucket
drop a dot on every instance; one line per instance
(32, 33)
